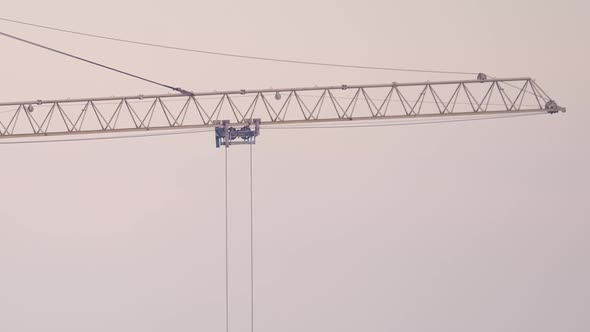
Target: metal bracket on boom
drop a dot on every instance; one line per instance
(225, 135)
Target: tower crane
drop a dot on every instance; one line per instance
(239, 116)
(245, 113)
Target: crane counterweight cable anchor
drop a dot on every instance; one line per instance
(226, 135)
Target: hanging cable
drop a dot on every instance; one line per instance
(226, 251)
(251, 242)
(242, 56)
(94, 63)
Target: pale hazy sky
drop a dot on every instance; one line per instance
(479, 226)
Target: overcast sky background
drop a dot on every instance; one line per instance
(476, 226)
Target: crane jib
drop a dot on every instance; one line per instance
(237, 116)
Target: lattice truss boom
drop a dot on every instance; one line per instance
(273, 106)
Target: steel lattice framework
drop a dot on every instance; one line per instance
(273, 106)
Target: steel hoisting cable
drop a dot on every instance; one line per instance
(251, 241)
(226, 251)
(242, 56)
(94, 63)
